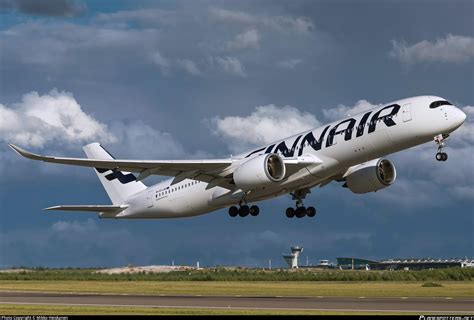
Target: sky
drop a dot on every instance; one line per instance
(207, 79)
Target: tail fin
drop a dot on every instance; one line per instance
(119, 185)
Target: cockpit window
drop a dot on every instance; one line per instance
(440, 103)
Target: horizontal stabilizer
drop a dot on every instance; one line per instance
(89, 208)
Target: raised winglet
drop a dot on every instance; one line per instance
(24, 153)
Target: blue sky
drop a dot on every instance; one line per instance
(204, 79)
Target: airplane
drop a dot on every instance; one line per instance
(350, 151)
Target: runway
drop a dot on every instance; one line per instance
(364, 304)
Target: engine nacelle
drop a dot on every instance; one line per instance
(371, 176)
(260, 171)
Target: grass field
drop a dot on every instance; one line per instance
(223, 274)
(264, 288)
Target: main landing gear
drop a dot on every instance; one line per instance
(439, 140)
(300, 211)
(244, 210)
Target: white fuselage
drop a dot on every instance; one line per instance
(341, 144)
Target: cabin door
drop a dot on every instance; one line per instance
(150, 199)
(406, 111)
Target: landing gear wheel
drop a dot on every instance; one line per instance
(233, 211)
(290, 212)
(244, 211)
(300, 212)
(254, 210)
(310, 211)
(441, 156)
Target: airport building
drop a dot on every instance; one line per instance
(292, 258)
(403, 264)
(354, 263)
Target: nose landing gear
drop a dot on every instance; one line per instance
(441, 156)
(440, 142)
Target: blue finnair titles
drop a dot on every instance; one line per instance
(347, 127)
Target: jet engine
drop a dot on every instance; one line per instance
(371, 176)
(260, 171)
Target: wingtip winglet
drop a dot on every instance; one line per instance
(51, 208)
(23, 152)
(14, 148)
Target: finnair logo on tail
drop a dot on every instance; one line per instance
(123, 178)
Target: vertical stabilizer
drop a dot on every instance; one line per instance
(119, 185)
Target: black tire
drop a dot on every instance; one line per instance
(244, 211)
(254, 211)
(233, 211)
(300, 212)
(290, 212)
(444, 156)
(439, 156)
(311, 211)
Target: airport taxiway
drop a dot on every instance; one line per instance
(343, 304)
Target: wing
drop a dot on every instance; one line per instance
(204, 170)
(217, 172)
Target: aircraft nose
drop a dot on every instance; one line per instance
(459, 116)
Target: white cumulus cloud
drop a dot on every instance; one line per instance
(246, 40)
(452, 48)
(189, 66)
(55, 122)
(158, 59)
(230, 65)
(266, 124)
(231, 15)
(54, 117)
(342, 111)
(281, 23)
(82, 227)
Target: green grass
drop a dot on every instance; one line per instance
(221, 274)
(260, 288)
(431, 285)
(15, 309)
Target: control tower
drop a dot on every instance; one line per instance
(292, 259)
